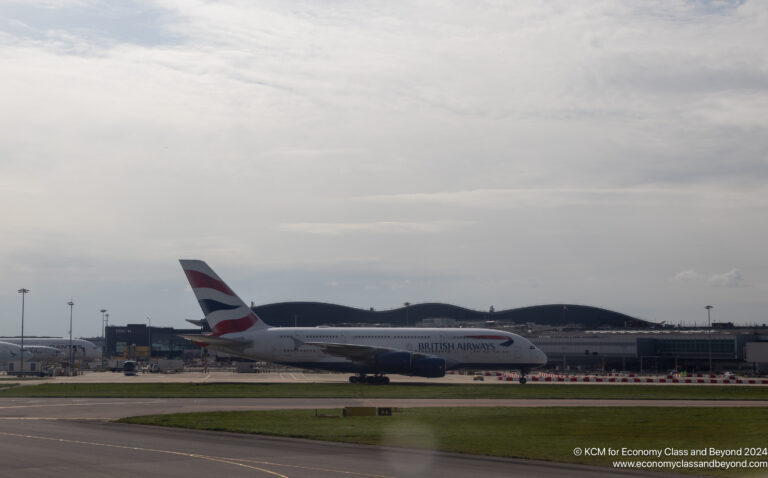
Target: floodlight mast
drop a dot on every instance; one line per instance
(71, 304)
(709, 335)
(23, 293)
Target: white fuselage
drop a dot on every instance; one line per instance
(10, 352)
(461, 348)
(82, 349)
(422, 352)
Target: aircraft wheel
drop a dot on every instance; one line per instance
(385, 380)
(353, 379)
(522, 380)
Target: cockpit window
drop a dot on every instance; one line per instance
(533, 347)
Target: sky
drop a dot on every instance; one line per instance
(499, 153)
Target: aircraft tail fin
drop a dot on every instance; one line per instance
(224, 311)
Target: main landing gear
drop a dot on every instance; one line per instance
(370, 379)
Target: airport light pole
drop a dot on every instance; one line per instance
(149, 338)
(106, 325)
(709, 335)
(23, 293)
(103, 336)
(71, 355)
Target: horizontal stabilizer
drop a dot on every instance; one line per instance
(205, 340)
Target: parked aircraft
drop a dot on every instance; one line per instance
(83, 349)
(368, 352)
(34, 353)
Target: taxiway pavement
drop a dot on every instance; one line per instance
(96, 448)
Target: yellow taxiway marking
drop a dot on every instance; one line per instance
(77, 404)
(312, 468)
(230, 461)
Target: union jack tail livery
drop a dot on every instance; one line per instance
(224, 311)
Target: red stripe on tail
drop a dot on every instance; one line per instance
(234, 325)
(198, 280)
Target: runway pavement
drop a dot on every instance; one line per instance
(72, 437)
(219, 376)
(75, 437)
(114, 408)
(97, 449)
(298, 376)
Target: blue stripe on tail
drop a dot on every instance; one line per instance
(210, 305)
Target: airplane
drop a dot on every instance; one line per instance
(83, 349)
(368, 352)
(34, 353)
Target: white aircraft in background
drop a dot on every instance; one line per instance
(83, 349)
(422, 352)
(11, 352)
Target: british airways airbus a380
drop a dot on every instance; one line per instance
(368, 352)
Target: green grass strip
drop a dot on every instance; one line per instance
(533, 433)
(343, 390)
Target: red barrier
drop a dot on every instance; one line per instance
(622, 378)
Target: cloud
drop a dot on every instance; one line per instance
(727, 279)
(687, 276)
(381, 227)
(559, 140)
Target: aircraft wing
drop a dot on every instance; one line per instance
(364, 354)
(206, 340)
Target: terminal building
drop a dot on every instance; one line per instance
(574, 337)
(652, 350)
(133, 341)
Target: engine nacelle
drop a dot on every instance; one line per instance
(394, 362)
(429, 367)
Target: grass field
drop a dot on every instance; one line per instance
(343, 390)
(534, 433)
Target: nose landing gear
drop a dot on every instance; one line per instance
(523, 373)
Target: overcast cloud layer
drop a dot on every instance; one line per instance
(501, 153)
